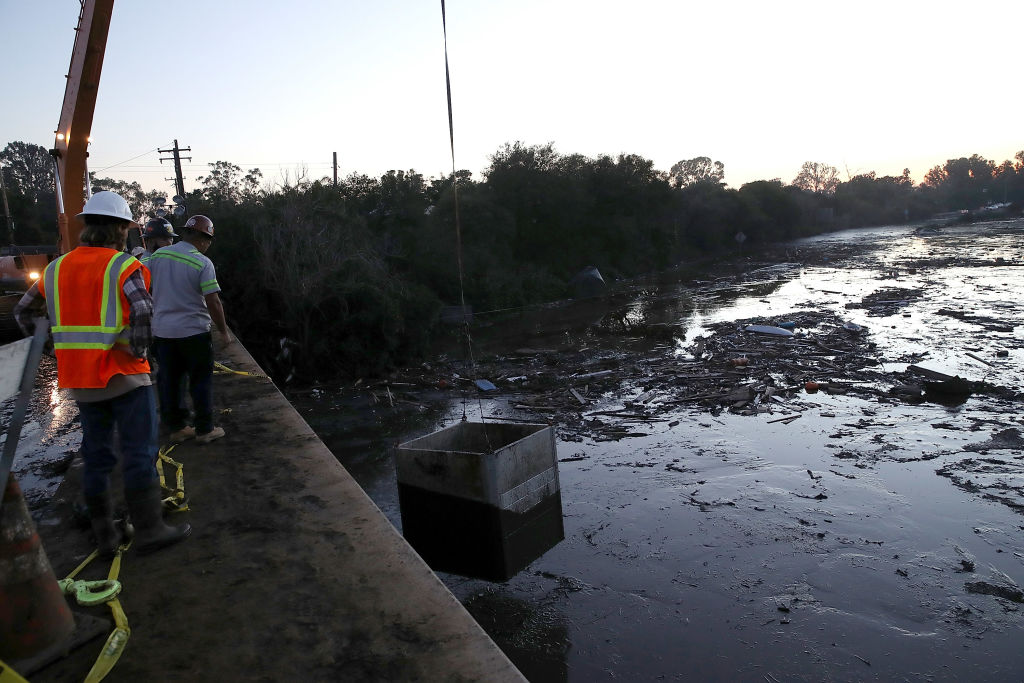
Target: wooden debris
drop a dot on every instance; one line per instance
(980, 360)
(930, 374)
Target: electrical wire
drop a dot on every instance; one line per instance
(156, 149)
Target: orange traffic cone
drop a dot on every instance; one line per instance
(33, 612)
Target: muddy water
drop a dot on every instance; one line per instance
(870, 539)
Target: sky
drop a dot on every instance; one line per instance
(760, 86)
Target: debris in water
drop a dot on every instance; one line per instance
(485, 385)
(769, 329)
(986, 588)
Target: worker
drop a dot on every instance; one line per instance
(158, 232)
(100, 310)
(186, 301)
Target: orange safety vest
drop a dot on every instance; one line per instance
(89, 316)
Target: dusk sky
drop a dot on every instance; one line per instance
(761, 87)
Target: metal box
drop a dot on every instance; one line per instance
(481, 499)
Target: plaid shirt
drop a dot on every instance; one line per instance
(140, 316)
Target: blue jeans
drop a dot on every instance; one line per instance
(134, 414)
(192, 358)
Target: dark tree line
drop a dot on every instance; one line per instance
(355, 274)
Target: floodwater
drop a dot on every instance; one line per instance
(874, 538)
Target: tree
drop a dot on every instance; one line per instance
(817, 178)
(28, 181)
(935, 176)
(962, 183)
(1003, 177)
(1016, 182)
(517, 155)
(869, 200)
(697, 170)
(773, 213)
(28, 169)
(438, 186)
(708, 217)
(526, 182)
(225, 183)
(250, 184)
(141, 202)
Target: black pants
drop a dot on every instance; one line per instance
(192, 358)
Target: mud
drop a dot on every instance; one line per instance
(723, 523)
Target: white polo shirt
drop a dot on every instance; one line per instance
(182, 277)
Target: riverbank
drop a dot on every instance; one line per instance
(291, 572)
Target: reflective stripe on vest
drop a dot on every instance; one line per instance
(111, 331)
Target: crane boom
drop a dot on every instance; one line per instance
(72, 135)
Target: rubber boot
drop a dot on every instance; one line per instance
(101, 517)
(147, 513)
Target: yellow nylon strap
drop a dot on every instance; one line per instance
(118, 638)
(176, 500)
(9, 675)
(223, 369)
(116, 642)
(86, 561)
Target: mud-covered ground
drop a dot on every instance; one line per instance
(723, 519)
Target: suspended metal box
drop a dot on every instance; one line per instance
(481, 499)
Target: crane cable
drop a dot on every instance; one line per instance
(458, 222)
(451, 139)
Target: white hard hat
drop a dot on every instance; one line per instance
(107, 203)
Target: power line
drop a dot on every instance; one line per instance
(127, 160)
(204, 166)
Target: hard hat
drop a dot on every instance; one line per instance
(158, 227)
(201, 224)
(107, 203)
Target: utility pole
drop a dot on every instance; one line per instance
(335, 169)
(7, 209)
(179, 182)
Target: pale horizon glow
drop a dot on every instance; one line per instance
(761, 87)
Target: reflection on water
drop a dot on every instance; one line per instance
(967, 268)
(635, 314)
(49, 438)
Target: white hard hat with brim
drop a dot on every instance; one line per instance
(107, 203)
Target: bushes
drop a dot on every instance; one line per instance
(300, 265)
(355, 275)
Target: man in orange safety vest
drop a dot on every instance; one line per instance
(99, 306)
